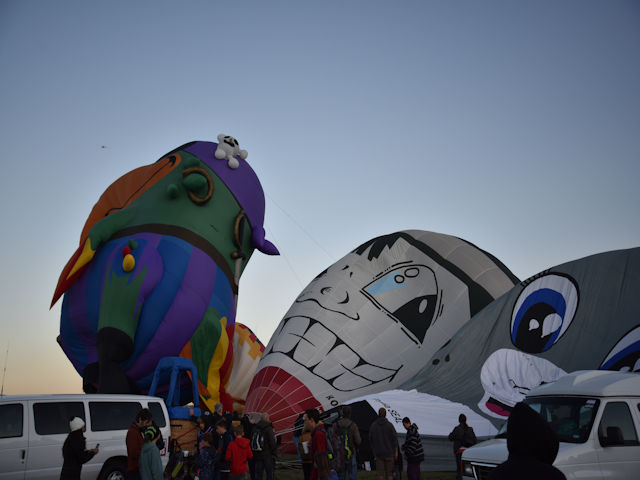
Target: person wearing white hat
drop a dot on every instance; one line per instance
(74, 451)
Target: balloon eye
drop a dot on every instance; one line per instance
(411, 303)
(625, 355)
(193, 180)
(543, 312)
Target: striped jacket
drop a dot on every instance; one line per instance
(412, 446)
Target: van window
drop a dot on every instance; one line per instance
(11, 420)
(570, 418)
(52, 418)
(113, 415)
(157, 413)
(617, 414)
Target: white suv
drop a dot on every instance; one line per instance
(34, 428)
(596, 416)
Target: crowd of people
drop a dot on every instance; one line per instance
(329, 452)
(225, 449)
(247, 448)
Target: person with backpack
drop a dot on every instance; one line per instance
(319, 446)
(412, 448)
(263, 446)
(384, 445)
(462, 437)
(150, 463)
(348, 434)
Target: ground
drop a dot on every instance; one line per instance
(284, 471)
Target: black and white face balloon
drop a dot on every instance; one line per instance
(371, 320)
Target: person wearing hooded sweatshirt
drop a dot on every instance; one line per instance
(238, 452)
(384, 445)
(74, 451)
(150, 464)
(265, 458)
(532, 446)
(412, 448)
(462, 437)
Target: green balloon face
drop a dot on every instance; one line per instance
(196, 201)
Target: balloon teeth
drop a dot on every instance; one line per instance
(310, 344)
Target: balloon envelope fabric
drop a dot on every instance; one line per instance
(371, 320)
(581, 315)
(157, 269)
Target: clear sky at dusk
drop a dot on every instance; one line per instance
(513, 125)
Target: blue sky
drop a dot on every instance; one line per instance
(513, 125)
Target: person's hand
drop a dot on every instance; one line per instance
(95, 450)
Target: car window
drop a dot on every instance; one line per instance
(570, 418)
(52, 418)
(157, 413)
(11, 420)
(113, 415)
(616, 415)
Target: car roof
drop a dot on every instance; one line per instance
(76, 396)
(593, 383)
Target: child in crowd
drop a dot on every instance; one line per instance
(150, 461)
(206, 458)
(238, 452)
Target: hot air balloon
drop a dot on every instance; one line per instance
(370, 321)
(157, 270)
(247, 352)
(581, 315)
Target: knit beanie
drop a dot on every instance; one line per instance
(150, 433)
(76, 423)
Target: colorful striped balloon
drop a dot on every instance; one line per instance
(157, 269)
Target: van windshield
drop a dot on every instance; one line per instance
(570, 418)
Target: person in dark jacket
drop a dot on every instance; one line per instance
(206, 458)
(265, 458)
(346, 424)
(74, 451)
(412, 448)
(248, 421)
(135, 441)
(224, 439)
(532, 446)
(462, 437)
(384, 445)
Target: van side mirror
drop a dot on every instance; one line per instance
(614, 437)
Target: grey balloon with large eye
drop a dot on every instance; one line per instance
(580, 315)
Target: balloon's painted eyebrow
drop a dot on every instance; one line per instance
(392, 267)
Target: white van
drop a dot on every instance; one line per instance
(596, 416)
(34, 428)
